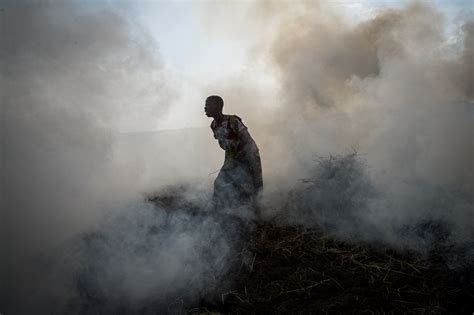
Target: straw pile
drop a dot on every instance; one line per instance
(291, 269)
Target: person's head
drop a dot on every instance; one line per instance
(214, 105)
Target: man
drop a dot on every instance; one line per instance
(240, 178)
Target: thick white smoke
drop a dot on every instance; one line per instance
(73, 75)
(72, 72)
(76, 76)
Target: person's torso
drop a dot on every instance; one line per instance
(230, 132)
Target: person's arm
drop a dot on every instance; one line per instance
(222, 137)
(238, 134)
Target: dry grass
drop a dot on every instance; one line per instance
(296, 270)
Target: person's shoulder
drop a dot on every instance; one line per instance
(234, 118)
(237, 117)
(236, 122)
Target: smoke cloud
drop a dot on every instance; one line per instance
(73, 74)
(395, 89)
(372, 84)
(77, 236)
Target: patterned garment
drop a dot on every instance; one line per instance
(240, 178)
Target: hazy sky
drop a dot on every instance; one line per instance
(197, 55)
(189, 49)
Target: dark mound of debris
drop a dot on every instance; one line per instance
(299, 270)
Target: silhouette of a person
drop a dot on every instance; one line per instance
(240, 179)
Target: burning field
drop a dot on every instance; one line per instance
(282, 268)
(226, 263)
(363, 115)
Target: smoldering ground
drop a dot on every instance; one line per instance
(150, 257)
(395, 87)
